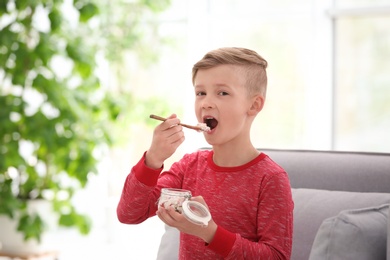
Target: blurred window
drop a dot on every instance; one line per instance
(362, 79)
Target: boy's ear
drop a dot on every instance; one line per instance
(257, 105)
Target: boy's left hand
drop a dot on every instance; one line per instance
(175, 219)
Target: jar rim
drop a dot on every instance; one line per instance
(175, 192)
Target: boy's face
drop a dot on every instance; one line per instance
(222, 102)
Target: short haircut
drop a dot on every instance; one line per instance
(252, 64)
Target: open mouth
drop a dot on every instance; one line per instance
(210, 122)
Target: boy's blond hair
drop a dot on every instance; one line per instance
(253, 65)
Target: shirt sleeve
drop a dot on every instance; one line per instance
(139, 197)
(222, 242)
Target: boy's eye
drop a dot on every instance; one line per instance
(200, 93)
(223, 93)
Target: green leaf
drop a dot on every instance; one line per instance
(9, 203)
(32, 226)
(82, 222)
(7, 38)
(55, 18)
(3, 7)
(22, 4)
(45, 48)
(88, 11)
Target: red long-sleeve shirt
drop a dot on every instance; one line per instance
(251, 204)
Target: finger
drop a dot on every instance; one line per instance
(163, 215)
(169, 216)
(170, 122)
(173, 129)
(172, 116)
(175, 135)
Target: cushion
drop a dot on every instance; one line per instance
(388, 236)
(169, 246)
(312, 207)
(359, 234)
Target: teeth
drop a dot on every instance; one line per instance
(210, 121)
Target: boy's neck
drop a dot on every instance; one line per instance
(234, 156)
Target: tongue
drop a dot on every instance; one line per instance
(212, 123)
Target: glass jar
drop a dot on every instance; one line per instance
(179, 199)
(173, 197)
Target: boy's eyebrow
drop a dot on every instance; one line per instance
(214, 85)
(221, 85)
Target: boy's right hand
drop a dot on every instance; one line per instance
(167, 137)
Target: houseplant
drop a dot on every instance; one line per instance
(55, 115)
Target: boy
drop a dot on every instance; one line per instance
(248, 194)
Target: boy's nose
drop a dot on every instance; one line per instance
(207, 104)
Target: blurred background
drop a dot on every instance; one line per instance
(108, 64)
